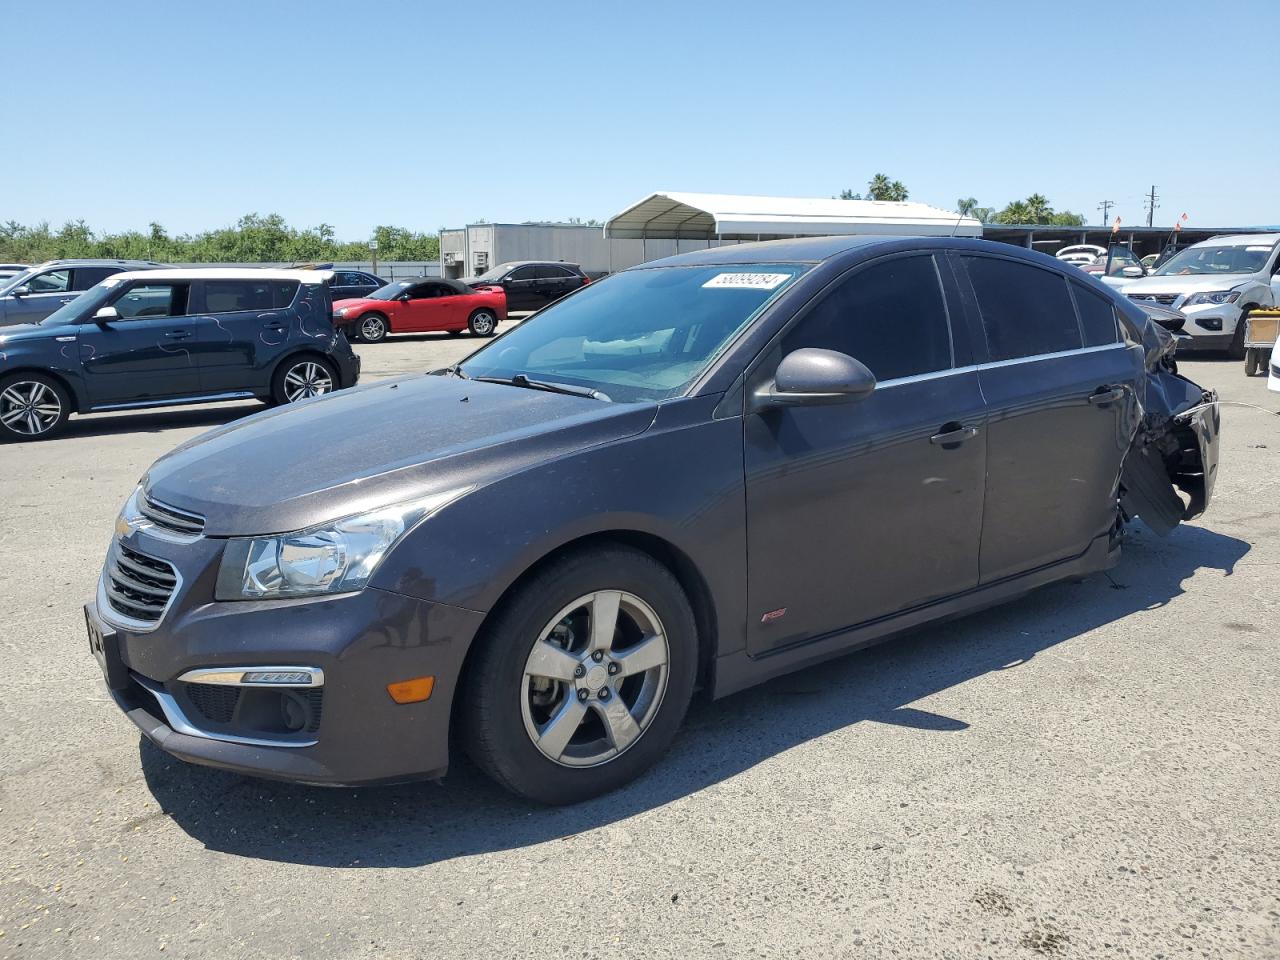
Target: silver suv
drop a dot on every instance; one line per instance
(37, 291)
(1215, 283)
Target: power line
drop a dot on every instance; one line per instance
(1105, 206)
(1152, 203)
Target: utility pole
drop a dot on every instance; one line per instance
(1151, 205)
(1105, 206)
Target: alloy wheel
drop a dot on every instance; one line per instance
(307, 379)
(482, 323)
(595, 678)
(29, 407)
(372, 329)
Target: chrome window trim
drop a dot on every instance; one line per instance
(232, 676)
(178, 721)
(992, 364)
(121, 621)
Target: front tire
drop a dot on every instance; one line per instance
(583, 676)
(1252, 360)
(300, 378)
(483, 323)
(1236, 350)
(32, 407)
(372, 328)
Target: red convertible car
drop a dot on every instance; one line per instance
(421, 304)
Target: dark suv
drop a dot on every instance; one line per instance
(38, 291)
(532, 284)
(164, 337)
(349, 284)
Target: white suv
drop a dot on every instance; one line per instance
(1214, 284)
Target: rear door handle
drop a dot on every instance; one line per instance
(1103, 395)
(953, 434)
(274, 326)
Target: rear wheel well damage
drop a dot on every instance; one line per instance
(685, 571)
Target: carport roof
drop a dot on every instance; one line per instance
(707, 216)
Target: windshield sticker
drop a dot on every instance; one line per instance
(748, 281)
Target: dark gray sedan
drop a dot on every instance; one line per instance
(695, 475)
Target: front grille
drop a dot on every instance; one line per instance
(215, 701)
(1164, 299)
(170, 518)
(138, 586)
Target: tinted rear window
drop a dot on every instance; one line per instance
(230, 296)
(1026, 311)
(891, 316)
(1097, 316)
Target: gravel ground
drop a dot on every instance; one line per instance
(1088, 772)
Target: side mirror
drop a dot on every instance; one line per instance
(1132, 271)
(106, 315)
(21, 291)
(810, 377)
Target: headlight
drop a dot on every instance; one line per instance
(336, 557)
(341, 312)
(1215, 296)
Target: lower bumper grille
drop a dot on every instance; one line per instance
(214, 701)
(137, 586)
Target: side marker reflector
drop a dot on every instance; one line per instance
(412, 691)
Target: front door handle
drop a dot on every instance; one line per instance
(953, 434)
(1104, 395)
(178, 334)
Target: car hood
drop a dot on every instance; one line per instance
(361, 302)
(34, 331)
(1187, 284)
(395, 440)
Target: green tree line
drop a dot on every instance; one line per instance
(1034, 209)
(254, 239)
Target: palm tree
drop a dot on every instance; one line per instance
(882, 188)
(1038, 209)
(966, 206)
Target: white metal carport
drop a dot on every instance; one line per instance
(718, 216)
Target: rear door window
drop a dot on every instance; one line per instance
(1026, 311)
(232, 296)
(891, 316)
(86, 277)
(147, 300)
(1097, 316)
(283, 292)
(523, 273)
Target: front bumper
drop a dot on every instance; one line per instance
(361, 641)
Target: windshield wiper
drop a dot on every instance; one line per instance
(522, 380)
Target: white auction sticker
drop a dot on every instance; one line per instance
(748, 281)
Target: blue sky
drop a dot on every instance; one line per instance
(429, 114)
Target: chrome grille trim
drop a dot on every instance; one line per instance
(1164, 299)
(135, 590)
(169, 518)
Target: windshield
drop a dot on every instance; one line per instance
(645, 334)
(82, 306)
(1198, 260)
(496, 273)
(390, 291)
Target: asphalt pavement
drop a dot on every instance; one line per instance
(1088, 772)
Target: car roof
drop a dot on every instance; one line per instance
(456, 285)
(227, 273)
(98, 262)
(512, 264)
(819, 249)
(1239, 240)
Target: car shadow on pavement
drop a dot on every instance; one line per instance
(415, 824)
(156, 420)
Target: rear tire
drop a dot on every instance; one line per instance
(535, 667)
(483, 323)
(371, 328)
(303, 377)
(32, 407)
